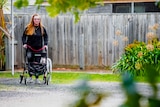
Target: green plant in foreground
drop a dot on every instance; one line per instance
(133, 97)
(87, 97)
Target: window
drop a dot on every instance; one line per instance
(122, 8)
(138, 7)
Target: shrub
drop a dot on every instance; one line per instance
(138, 54)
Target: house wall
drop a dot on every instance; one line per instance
(106, 8)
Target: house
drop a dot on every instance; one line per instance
(126, 6)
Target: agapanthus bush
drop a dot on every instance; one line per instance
(138, 54)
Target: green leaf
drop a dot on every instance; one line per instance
(25, 3)
(21, 3)
(53, 12)
(39, 1)
(18, 4)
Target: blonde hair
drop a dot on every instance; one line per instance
(30, 27)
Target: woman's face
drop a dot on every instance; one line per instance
(36, 20)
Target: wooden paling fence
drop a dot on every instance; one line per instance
(90, 42)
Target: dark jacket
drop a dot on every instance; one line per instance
(37, 40)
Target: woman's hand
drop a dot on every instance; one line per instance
(46, 47)
(25, 46)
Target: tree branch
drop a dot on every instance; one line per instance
(5, 32)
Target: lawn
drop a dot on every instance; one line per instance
(72, 76)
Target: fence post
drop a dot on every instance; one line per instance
(81, 52)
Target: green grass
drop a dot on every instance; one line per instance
(70, 77)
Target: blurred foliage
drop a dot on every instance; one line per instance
(56, 7)
(133, 97)
(86, 96)
(3, 3)
(153, 73)
(21, 3)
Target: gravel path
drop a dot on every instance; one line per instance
(13, 94)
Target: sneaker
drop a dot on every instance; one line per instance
(37, 81)
(30, 80)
